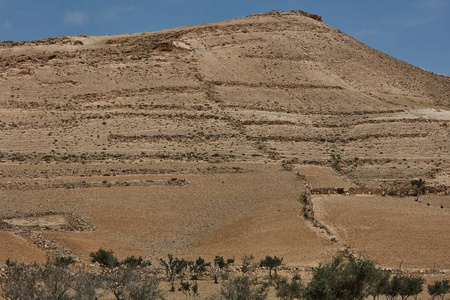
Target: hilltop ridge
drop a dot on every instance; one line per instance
(280, 13)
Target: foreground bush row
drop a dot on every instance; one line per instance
(130, 279)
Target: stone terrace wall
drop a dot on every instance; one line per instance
(309, 214)
(441, 189)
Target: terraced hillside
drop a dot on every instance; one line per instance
(199, 141)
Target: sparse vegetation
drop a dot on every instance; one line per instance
(199, 267)
(272, 263)
(289, 290)
(173, 267)
(439, 289)
(248, 264)
(339, 279)
(419, 185)
(219, 266)
(243, 287)
(344, 280)
(105, 258)
(86, 284)
(133, 262)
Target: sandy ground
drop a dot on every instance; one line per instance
(257, 212)
(17, 248)
(391, 230)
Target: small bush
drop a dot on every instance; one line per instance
(243, 287)
(348, 280)
(105, 258)
(173, 267)
(248, 265)
(439, 289)
(219, 266)
(19, 281)
(146, 289)
(289, 290)
(199, 267)
(64, 261)
(419, 184)
(133, 262)
(86, 284)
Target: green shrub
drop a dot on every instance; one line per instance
(355, 279)
(219, 266)
(404, 286)
(411, 286)
(133, 262)
(173, 267)
(272, 263)
(438, 289)
(289, 290)
(64, 261)
(199, 267)
(105, 258)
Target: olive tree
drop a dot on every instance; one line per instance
(272, 263)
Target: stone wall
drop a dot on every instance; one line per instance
(441, 189)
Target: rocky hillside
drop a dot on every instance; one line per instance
(122, 119)
(266, 87)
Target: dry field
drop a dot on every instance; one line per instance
(200, 140)
(210, 209)
(383, 227)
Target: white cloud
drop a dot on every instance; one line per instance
(75, 18)
(7, 25)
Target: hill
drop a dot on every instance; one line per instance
(200, 140)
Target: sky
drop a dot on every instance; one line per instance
(415, 31)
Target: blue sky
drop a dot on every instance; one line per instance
(416, 31)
